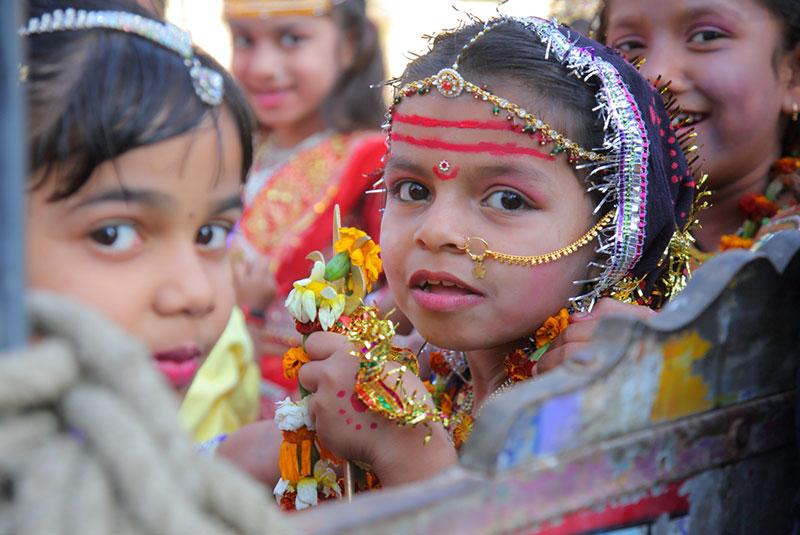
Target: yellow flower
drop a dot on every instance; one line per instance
(363, 252)
(315, 295)
(293, 360)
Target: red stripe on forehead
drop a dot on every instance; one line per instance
(495, 149)
(431, 122)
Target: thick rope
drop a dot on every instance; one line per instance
(90, 441)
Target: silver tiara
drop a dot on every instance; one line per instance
(208, 83)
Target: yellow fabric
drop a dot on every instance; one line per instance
(224, 395)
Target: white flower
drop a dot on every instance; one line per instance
(306, 493)
(331, 306)
(326, 478)
(281, 488)
(302, 300)
(291, 416)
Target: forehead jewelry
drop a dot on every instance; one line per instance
(478, 250)
(208, 83)
(451, 84)
(618, 170)
(445, 170)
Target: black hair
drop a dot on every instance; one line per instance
(354, 104)
(93, 95)
(787, 12)
(509, 55)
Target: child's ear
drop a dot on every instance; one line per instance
(790, 76)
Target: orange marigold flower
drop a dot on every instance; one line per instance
(445, 404)
(462, 431)
(786, 165)
(732, 241)
(552, 327)
(439, 364)
(293, 360)
(363, 252)
(757, 207)
(519, 366)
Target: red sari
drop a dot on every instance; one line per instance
(292, 214)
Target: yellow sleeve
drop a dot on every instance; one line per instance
(224, 395)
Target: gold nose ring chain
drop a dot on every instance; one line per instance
(478, 250)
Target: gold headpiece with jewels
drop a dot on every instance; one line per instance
(278, 8)
(451, 84)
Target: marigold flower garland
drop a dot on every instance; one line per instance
(452, 391)
(776, 205)
(321, 302)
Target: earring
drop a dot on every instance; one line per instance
(795, 111)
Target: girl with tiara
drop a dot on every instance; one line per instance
(734, 69)
(306, 67)
(138, 148)
(529, 183)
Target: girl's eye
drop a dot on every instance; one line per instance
(116, 238)
(213, 236)
(411, 191)
(242, 41)
(704, 36)
(506, 200)
(629, 45)
(289, 40)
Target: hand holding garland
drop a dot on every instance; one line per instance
(396, 453)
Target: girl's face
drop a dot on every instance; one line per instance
(288, 66)
(144, 241)
(727, 70)
(500, 186)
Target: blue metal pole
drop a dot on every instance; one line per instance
(13, 325)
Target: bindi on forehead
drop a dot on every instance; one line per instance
(431, 139)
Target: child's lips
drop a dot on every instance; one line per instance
(271, 99)
(179, 364)
(442, 292)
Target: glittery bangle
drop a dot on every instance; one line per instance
(379, 386)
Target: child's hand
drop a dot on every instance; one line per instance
(346, 427)
(254, 282)
(579, 333)
(254, 448)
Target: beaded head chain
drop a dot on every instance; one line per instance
(278, 8)
(208, 83)
(640, 170)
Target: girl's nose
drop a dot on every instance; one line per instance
(441, 227)
(265, 62)
(186, 286)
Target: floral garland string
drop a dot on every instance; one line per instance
(451, 387)
(771, 211)
(321, 302)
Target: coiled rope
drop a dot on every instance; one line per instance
(90, 441)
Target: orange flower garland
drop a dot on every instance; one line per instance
(732, 241)
(551, 328)
(293, 360)
(438, 364)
